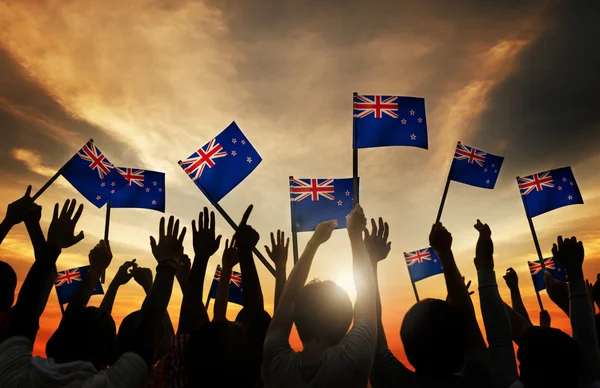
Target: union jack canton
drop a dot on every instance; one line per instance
(91, 173)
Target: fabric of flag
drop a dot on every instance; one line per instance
(549, 190)
(475, 167)
(145, 190)
(537, 275)
(381, 121)
(422, 264)
(315, 200)
(90, 172)
(236, 294)
(221, 164)
(68, 281)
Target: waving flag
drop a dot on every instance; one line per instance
(422, 264)
(90, 172)
(145, 190)
(537, 275)
(236, 294)
(221, 164)
(68, 281)
(382, 121)
(475, 167)
(316, 200)
(549, 190)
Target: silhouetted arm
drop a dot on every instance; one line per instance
(222, 299)
(279, 255)
(25, 316)
(16, 213)
(512, 281)
(193, 312)
(122, 277)
(570, 254)
(283, 316)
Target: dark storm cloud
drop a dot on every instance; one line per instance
(548, 110)
(32, 119)
(444, 36)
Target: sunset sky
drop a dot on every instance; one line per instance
(152, 80)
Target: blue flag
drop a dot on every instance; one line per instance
(549, 190)
(537, 275)
(475, 167)
(221, 164)
(422, 264)
(145, 190)
(316, 200)
(92, 174)
(68, 281)
(382, 121)
(236, 294)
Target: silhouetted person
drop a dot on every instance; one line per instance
(8, 284)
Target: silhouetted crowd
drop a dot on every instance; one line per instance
(343, 345)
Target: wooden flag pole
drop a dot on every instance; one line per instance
(294, 232)
(47, 184)
(355, 193)
(106, 229)
(414, 287)
(51, 180)
(537, 247)
(439, 214)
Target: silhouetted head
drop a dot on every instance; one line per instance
(434, 334)
(87, 334)
(322, 312)
(130, 327)
(542, 344)
(217, 355)
(8, 283)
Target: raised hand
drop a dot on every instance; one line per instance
(511, 278)
(569, 253)
(545, 319)
(33, 214)
(323, 231)
(557, 291)
(16, 211)
(170, 243)
(356, 221)
(246, 237)
(61, 232)
(230, 255)
(484, 252)
(143, 277)
(100, 257)
(376, 242)
(279, 250)
(467, 286)
(205, 242)
(440, 239)
(125, 272)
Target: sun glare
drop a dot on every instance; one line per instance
(345, 280)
